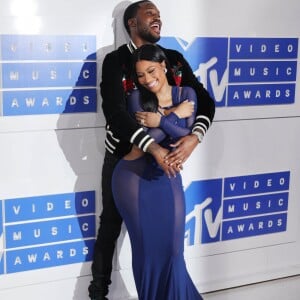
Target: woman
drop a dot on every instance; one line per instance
(152, 204)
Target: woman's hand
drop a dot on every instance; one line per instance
(184, 109)
(148, 119)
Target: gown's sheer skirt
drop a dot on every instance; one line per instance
(153, 209)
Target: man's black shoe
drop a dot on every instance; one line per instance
(98, 290)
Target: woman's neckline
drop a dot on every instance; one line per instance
(168, 101)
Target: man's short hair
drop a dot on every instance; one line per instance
(131, 12)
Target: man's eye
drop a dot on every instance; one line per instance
(149, 13)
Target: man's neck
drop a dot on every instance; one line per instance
(137, 42)
(133, 46)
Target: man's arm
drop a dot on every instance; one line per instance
(114, 98)
(204, 115)
(205, 104)
(121, 124)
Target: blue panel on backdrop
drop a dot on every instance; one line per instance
(262, 71)
(262, 94)
(203, 206)
(254, 226)
(45, 231)
(51, 231)
(38, 71)
(208, 58)
(49, 206)
(1, 241)
(255, 205)
(50, 74)
(33, 102)
(236, 207)
(255, 184)
(242, 71)
(48, 47)
(263, 48)
(20, 260)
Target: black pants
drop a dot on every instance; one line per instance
(108, 233)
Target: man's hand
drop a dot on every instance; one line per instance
(160, 153)
(183, 149)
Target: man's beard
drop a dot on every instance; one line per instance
(147, 36)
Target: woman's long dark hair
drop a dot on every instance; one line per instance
(149, 52)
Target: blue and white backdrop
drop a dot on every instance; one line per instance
(242, 195)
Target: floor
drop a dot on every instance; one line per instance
(279, 289)
(287, 289)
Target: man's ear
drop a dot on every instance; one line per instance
(132, 22)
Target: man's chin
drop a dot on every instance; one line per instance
(155, 39)
(150, 38)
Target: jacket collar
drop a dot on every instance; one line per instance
(131, 46)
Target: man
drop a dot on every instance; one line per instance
(143, 24)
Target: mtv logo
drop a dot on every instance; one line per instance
(203, 211)
(208, 57)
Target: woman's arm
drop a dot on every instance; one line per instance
(178, 120)
(134, 106)
(205, 103)
(181, 127)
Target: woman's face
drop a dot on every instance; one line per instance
(151, 75)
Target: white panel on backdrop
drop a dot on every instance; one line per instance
(230, 17)
(234, 149)
(46, 162)
(43, 220)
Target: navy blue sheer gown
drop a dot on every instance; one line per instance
(153, 209)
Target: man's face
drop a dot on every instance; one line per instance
(148, 22)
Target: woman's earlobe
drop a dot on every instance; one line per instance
(164, 67)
